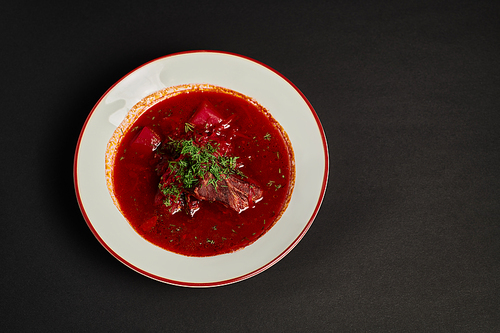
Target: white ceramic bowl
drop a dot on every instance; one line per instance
(247, 76)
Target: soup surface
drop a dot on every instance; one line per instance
(201, 172)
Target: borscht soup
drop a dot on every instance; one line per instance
(200, 170)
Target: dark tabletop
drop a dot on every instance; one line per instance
(407, 239)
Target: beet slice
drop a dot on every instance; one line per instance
(145, 142)
(206, 114)
(149, 224)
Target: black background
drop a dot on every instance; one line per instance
(407, 239)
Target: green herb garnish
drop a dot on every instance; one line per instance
(193, 163)
(188, 127)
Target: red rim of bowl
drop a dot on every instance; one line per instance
(216, 283)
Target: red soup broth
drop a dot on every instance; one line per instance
(260, 143)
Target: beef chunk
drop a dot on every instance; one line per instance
(192, 205)
(231, 191)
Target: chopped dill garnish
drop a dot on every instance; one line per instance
(193, 163)
(188, 127)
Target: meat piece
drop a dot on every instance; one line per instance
(175, 206)
(192, 205)
(231, 191)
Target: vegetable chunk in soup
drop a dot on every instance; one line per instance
(200, 170)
